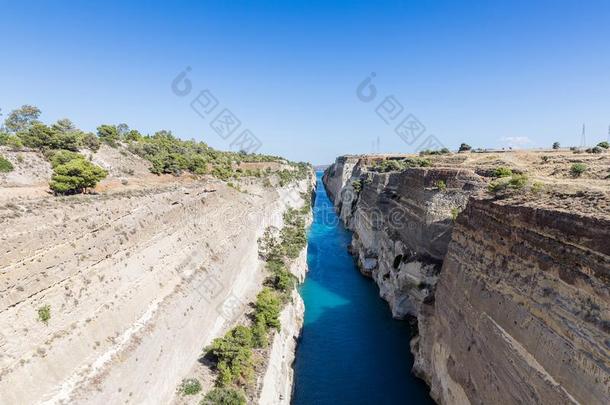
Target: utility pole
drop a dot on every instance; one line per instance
(583, 138)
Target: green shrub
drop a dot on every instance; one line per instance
(545, 158)
(502, 172)
(224, 396)
(298, 173)
(44, 314)
(537, 187)
(357, 185)
(75, 176)
(518, 181)
(108, 134)
(67, 140)
(417, 162)
(442, 151)
(259, 332)
(5, 165)
(441, 185)
(604, 145)
(40, 136)
(293, 235)
(268, 306)
(385, 166)
(62, 157)
(556, 145)
(233, 356)
(515, 182)
(37, 136)
(14, 142)
(189, 386)
(595, 149)
(454, 213)
(91, 142)
(577, 169)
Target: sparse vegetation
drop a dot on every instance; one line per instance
(44, 314)
(293, 238)
(502, 172)
(417, 162)
(604, 145)
(268, 306)
(556, 145)
(515, 182)
(190, 386)
(233, 352)
(595, 149)
(441, 185)
(537, 187)
(5, 165)
(357, 185)
(442, 151)
(578, 169)
(545, 158)
(385, 166)
(224, 396)
(233, 356)
(235, 186)
(166, 153)
(454, 213)
(12, 141)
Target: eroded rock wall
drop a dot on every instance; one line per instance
(511, 298)
(278, 380)
(402, 224)
(137, 283)
(521, 309)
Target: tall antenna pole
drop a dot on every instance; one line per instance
(583, 139)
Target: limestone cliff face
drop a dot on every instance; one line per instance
(521, 309)
(137, 282)
(512, 299)
(278, 380)
(402, 225)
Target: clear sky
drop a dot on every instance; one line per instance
(489, 73)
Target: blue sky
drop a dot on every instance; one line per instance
(489, 73)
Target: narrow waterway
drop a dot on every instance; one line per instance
(351, 351)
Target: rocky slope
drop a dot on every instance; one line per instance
(278, 380)
(137, 280)
(511, 292)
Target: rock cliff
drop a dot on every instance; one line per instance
(133, 281)
(278, 380)
(510, 292)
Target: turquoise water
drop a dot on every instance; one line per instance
(351, 350)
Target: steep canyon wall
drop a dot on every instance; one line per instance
(511, 295)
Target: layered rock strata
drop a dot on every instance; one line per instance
(511, 295)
